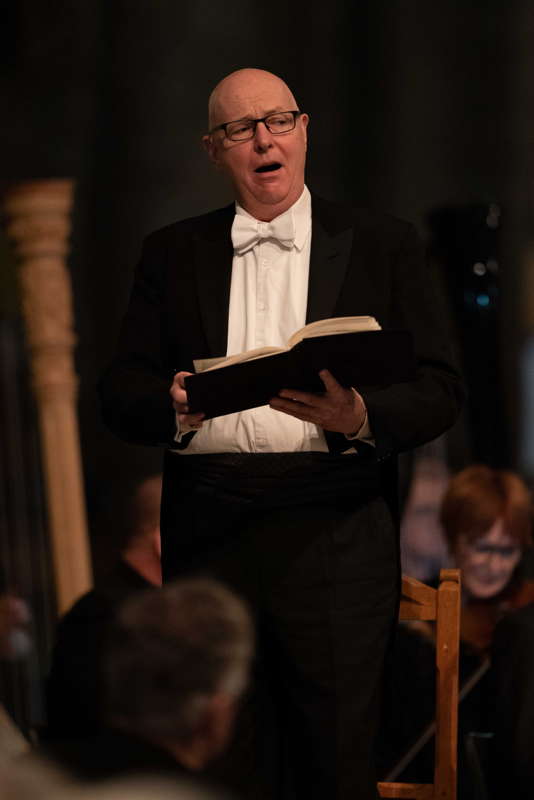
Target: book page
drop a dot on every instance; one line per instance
(322, 327)
(327, 327)
(206, 364)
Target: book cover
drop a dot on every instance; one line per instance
(362, 359)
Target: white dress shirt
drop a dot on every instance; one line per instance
(268, 297)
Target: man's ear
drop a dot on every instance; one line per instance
(155, 541)
(304, 119)
(218, 723)
(211, 149)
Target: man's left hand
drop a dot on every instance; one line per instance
(338, 409)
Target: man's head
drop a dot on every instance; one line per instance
(141, 548)
(127, 526)
(176, 665)
(267, 170)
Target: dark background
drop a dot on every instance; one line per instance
(414, 106)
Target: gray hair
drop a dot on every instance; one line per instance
(170, 651)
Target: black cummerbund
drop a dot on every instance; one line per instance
(270, 480)
(209, 501)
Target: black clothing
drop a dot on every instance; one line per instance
(74, 684)
(322, 573)
(512, 684)
(411, 708)
(112, 754)
(322, 582)
(360, 263)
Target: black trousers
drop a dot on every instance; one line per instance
(322, 580)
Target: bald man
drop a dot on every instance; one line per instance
(293, 504)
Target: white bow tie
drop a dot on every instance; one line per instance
(246, 232)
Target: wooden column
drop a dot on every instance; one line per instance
(38, 222)
(447, 660)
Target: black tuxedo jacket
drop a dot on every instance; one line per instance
(360, 263)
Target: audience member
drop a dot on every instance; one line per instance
(423, 546)
(15, 643)
(31, 777)
(511, 682)
(486, 517)
(15, 615)
(146, 789)
(73, 689)
(174, 669)
(141, 549)
(34, 778)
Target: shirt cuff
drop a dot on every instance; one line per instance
(364, 433)
(182, 430)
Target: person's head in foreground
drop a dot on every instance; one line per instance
(178, 662)
(36, 779)
(257, 138)
(487, 518)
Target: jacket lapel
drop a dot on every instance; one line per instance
(213, 253)
(332, 233)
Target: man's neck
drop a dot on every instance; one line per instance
(145, 563)
(188, 756)
(266, 213)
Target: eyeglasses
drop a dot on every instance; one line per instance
(489, 550)
(242, 129)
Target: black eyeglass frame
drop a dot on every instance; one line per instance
(224, 125)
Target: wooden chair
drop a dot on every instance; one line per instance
(421, 602)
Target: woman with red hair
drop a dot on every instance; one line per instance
(486, 516)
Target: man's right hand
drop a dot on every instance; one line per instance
(179, 401)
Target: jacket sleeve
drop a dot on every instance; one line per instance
(134, 390)
(406, 415)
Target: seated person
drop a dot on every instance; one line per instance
(14, 619)
(486, 517)
(511, 682)
(15, 644)
(173, 671)
(423, 547)
(73, 687)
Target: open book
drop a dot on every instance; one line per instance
(355, 350)
(323, 327)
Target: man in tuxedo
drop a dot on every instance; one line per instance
(293, 504)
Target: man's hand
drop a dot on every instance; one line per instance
(179, 401)
(338, 409)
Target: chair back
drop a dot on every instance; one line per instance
(442, 605)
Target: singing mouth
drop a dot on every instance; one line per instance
(268, 167)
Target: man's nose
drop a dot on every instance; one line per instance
(262, 137)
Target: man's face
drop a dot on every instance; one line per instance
(487, 563)
(250, 95)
